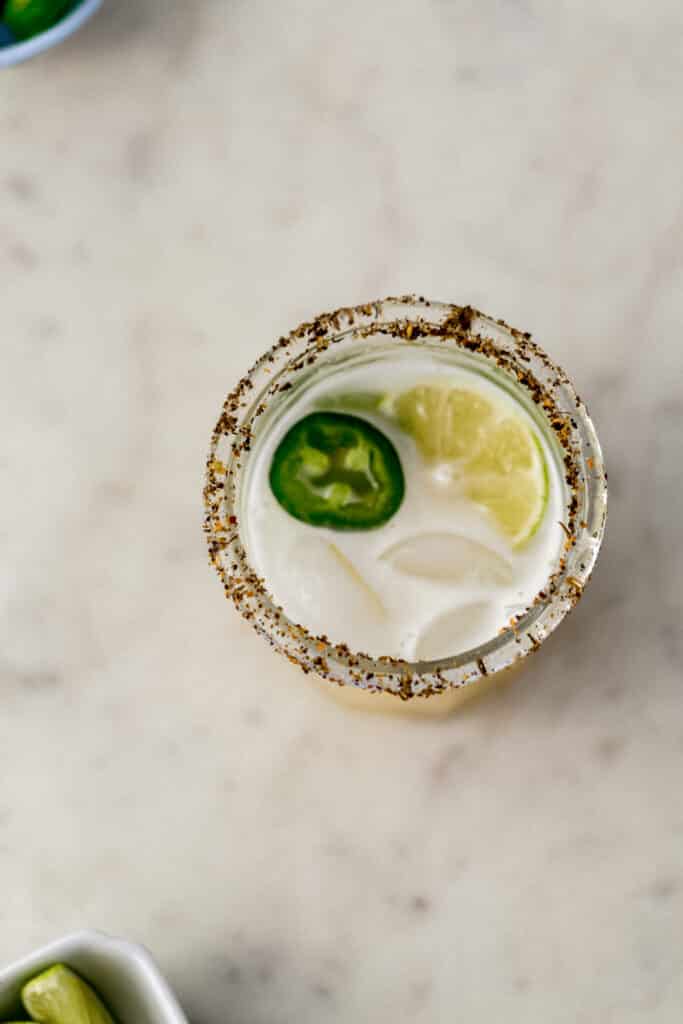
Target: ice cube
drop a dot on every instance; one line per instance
(449, 557)
(329, 595)
(454, 631)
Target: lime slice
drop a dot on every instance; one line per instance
(59, 996)
(489, 455)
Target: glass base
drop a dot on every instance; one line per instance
(436, 706)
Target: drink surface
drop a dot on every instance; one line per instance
(449, 568)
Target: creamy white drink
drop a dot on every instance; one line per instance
(471, 541)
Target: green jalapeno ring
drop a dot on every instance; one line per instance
(338, 471)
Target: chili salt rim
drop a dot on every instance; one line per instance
(411, 319)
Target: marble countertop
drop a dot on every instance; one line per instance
(176, 190)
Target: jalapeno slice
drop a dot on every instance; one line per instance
(337, 470)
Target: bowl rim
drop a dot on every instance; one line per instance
(91, 940)
(15, 53)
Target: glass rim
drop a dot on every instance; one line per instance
(413, 320)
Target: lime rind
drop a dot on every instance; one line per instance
(60, 996)
(353, 401)
(545, 493)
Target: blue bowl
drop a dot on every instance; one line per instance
(16, 52)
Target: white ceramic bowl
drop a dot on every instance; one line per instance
(122, 973)
(17, 52)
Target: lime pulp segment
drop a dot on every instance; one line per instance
(492, 456)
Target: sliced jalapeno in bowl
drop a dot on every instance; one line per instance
(26, 18)
(337, 470)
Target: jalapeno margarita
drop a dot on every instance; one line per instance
(405, 498)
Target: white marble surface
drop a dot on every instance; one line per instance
(178, 185)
